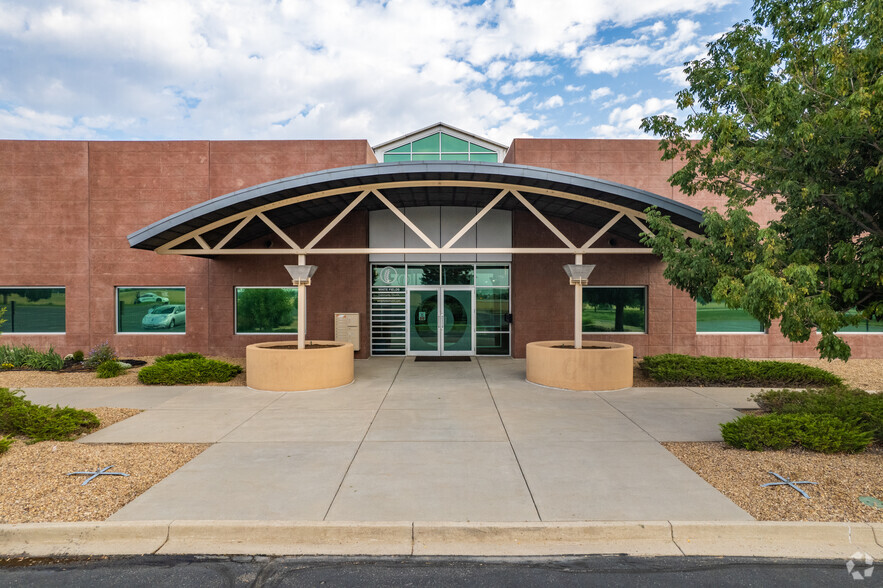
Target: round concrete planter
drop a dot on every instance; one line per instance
(267, 367)
(607, 368)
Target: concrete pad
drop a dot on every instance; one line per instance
(172, 426)
(624, 481)
(143, 397)
(433, 481)
(732, 397)
(52, 396)
(607, 424)
(345, 398)
(524, 539)
(248, 481)
(287, 538)
(670, 424)
(272, 425)
(432, 398)
(437, 425)
(658, 398)
(221, 397)
(72, 539)
(526, 396)
(776, 539)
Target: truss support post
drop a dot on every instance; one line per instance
(578, 311)
(301, 308)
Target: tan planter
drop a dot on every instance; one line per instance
(267, 367)
(609, 368)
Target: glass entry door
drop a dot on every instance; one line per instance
(440, 321)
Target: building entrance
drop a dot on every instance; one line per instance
(440, 321)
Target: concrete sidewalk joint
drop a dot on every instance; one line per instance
(640, 538)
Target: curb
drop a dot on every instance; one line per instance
(649, 538)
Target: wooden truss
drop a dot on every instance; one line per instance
(312, 248)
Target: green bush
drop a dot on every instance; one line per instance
(110, 369)
(100, 354)
(816, 432)
(5, 444)
(27, 356)
(178, 357)
(847, 404)
(41, 423)
(188, 371)
(78, 355)
(687, 370)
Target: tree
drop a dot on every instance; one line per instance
(786, 108)
(264, 310)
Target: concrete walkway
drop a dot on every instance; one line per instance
(411, 441)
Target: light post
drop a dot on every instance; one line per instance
(301, 276)
(579, 277)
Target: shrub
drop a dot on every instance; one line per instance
(78, 355)
(847, 404)
(188, 371)
(100, 354)
(686, 370)
(41, 423)
(5, 444)
(823, 433)
(27, 356)
(110, 369)
(178, 357)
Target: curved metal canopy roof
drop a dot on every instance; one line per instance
(312, 196)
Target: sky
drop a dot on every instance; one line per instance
(346, 69)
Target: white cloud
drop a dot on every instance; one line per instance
(625, 123)
(555, 101)
(600, 92)
(211, 69)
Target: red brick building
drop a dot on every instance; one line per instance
(440, 241)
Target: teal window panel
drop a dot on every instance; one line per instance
(33, 310)
(424, 275)
(492, 275)
(458, 275)
(270, 311)
(716, 317)
(151, 309)
(451, 144)
(428, 144)
(619, 309)
(479, 149)
(403, 149)
(425, 157)
(492, 157)
(455, 157)
(390, 157)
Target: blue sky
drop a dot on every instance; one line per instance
(363, 69)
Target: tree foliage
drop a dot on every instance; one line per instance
(785, 109)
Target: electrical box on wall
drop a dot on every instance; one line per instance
(346, 328)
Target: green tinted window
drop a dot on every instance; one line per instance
(396, 157)
(425, 157)
(449, 143)
(388, 275)
(32, 310)
(478, 149)
(487, 275)
(865, 326)
(403, 149)
(715, 317)
(458, 275)
(614, 310)
(426, 144)
(491, 308)
(492, 343)
(455, 157)
(266, 310)
(423, 275)
(492, 157)
(151, 309)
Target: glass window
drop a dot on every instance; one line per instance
(866, 326)
(478, 149)
(388, 275)
(426, 144)
(425, 157)
(492, 275)
(614, 310)
(492, 343)
(269, 311)
(492, 157)
(396, 157)
(458, 275)
(423, 275)
(491, 308)
(455, 157)
(715, 317)
(453, 144)
(403, 149)
(151, 308)
(32, 310)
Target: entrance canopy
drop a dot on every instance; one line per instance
(227, 224)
